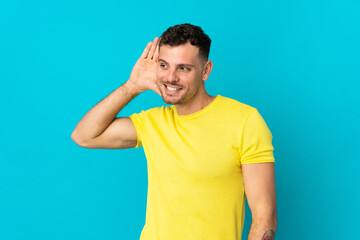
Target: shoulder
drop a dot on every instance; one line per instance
(236, 107)
(154, 112)
(158, 110)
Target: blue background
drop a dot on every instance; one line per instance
(297, 62)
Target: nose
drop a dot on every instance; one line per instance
(172, 76)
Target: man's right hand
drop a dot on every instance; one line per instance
(143, 75)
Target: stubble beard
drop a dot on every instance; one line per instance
(185, 95)
(173, 99)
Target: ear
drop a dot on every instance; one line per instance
(207, 69)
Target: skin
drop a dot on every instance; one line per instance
(269, 235)
(181, 67)
(259, 185)
(155, 68)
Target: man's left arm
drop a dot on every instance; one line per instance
(259, 185)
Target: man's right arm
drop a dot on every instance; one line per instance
(100, 128)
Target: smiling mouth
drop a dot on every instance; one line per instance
(172, 88)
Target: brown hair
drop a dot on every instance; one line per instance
(182, 33)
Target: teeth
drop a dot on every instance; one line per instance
(170, 88)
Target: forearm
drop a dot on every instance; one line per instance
(103, 113)
(263, 227)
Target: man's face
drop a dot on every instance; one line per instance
(179, 73)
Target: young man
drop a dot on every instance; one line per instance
(204, 153)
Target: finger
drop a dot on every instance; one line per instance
(156, 54)
(155, 88)
(152, 49)
(146, 50)
(157, 91)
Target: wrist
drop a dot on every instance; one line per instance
(131, 88)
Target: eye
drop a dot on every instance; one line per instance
(162, 65)
(185, 69)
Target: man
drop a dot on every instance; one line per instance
(204, 153)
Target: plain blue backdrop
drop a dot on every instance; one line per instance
(296, 61)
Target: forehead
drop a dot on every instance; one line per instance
(182, 54)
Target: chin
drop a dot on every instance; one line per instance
(172, 100)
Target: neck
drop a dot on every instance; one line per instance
(197, 103)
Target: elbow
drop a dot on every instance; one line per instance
(275, 222)
(272, 216)
(272, 219)
(267, 216)
(75, 137)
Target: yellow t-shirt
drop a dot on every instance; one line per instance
(195, 184)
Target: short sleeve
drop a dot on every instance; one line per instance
(256, 146)
(137, 120)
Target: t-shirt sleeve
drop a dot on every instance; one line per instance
(137, 119)
(256, 144)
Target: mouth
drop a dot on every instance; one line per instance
(172, 89)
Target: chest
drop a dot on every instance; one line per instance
(198, 150)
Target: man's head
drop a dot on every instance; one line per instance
(183, 63)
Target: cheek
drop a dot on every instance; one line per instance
(194, 79)
(160, 74)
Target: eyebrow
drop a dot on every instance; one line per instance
(181, 64)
